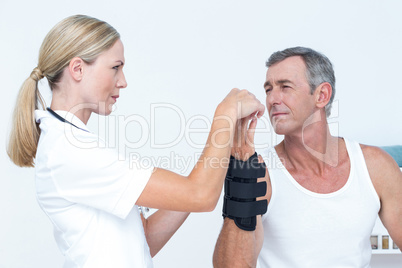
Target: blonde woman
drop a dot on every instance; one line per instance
(87, 193)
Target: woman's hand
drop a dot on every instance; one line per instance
(240, 104)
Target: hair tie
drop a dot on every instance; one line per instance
(37, 74)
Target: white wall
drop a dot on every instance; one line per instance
(190, 54)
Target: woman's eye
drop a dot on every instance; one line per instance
(116, 67)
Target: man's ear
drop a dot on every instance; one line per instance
(76, 68)
(323, 94)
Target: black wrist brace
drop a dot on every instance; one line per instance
(241, 191)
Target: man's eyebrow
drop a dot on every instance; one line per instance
(283, 81)
(267, 84)
(120, 61)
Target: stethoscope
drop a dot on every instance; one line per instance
(62, 119)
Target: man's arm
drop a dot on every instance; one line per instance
(160, 227)
(236, 247)
(387, 180)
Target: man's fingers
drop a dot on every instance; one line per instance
(251, 131)
(244, 125)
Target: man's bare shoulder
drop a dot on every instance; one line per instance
(375, 156)
(384, 171)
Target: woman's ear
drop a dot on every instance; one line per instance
(76, 68)
(323, 94)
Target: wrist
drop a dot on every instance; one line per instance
(229, 110)
(240, 155)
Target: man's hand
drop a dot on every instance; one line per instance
(243, 141)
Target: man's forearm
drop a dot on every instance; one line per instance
(236, 247)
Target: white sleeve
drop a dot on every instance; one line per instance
(97, 178)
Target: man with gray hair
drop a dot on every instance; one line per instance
(324, 192)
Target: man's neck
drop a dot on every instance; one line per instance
(314, 147)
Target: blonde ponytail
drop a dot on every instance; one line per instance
(25, 132)
(76, 36)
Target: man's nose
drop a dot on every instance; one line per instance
(274, 97)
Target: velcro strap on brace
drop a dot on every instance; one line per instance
(244, 190)
(241, 191)
(243, 209)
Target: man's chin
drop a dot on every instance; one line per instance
(280, 132)
(279, 128)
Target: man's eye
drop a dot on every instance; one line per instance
(267, 90)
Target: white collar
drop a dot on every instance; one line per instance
(39, 114)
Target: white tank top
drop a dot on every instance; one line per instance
(307, 229)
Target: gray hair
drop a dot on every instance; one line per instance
(319, 68)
